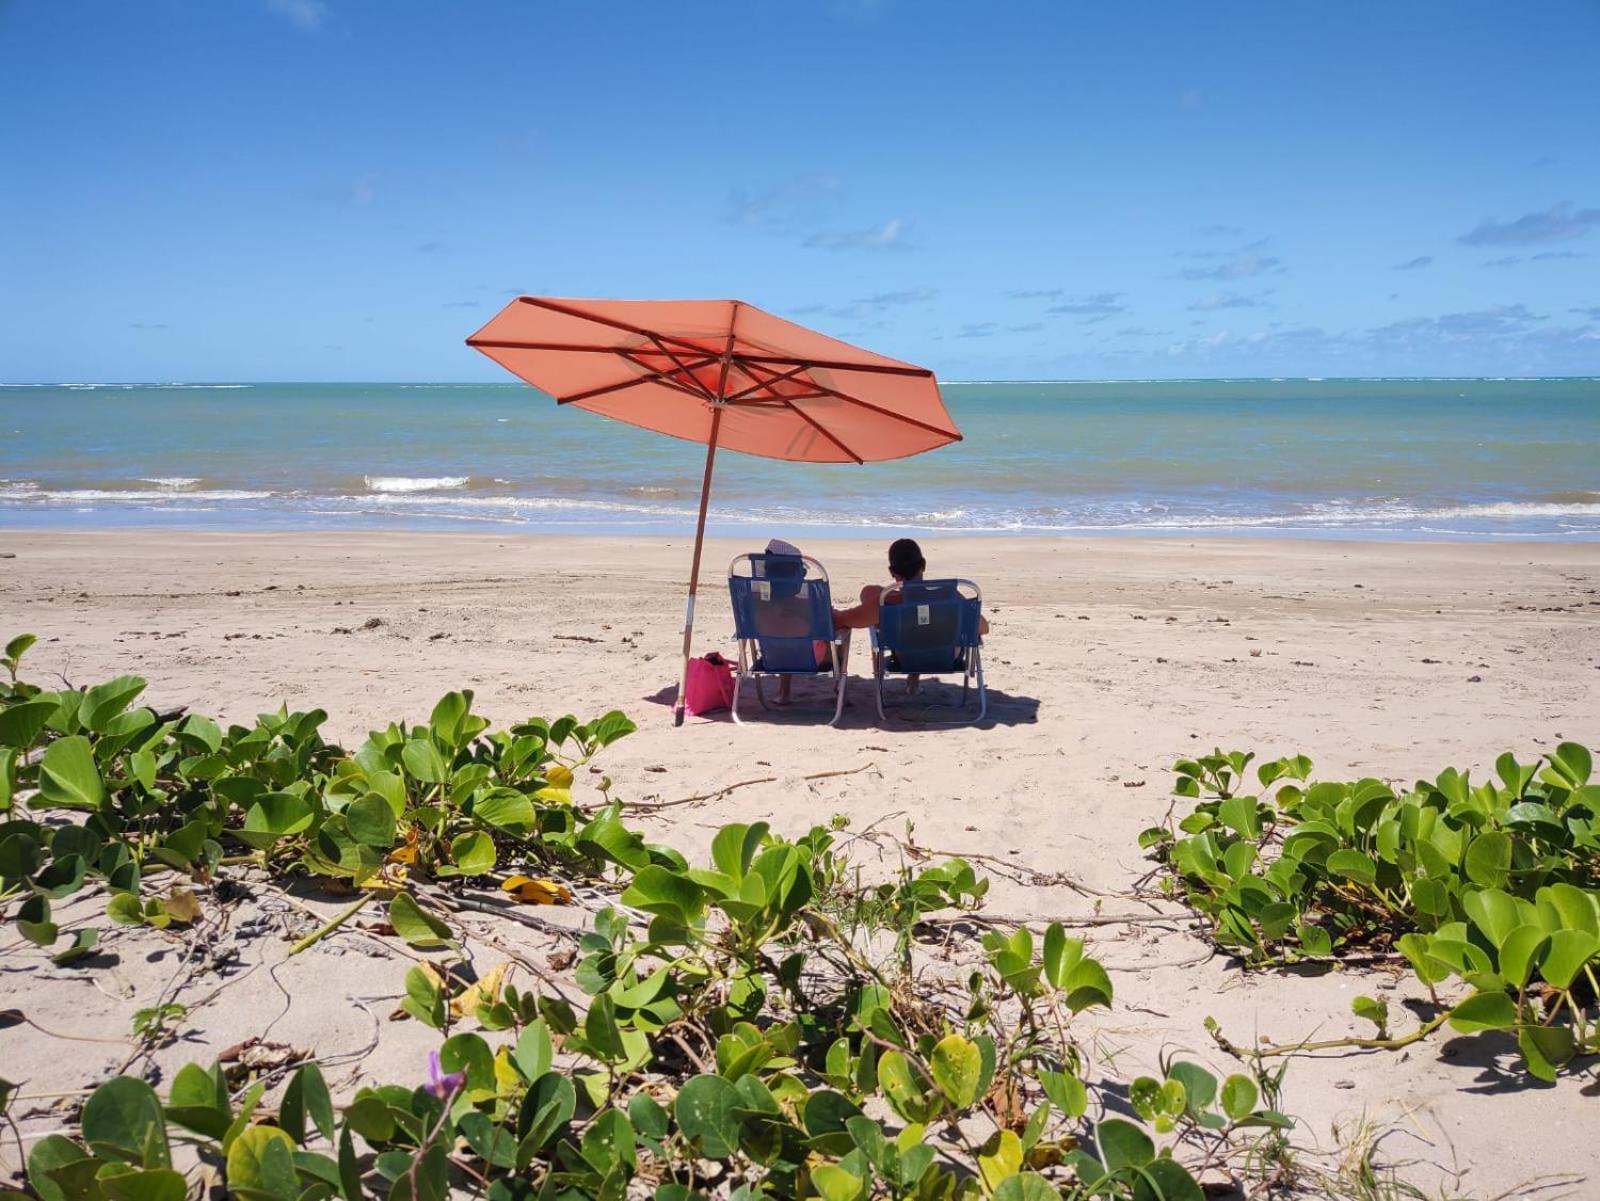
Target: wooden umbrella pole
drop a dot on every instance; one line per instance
(694, 567)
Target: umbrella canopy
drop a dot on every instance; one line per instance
(723, 373)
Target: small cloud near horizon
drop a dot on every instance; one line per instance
(1095, 307)
(309, 15)
(1555, 224)
(1245, 267)
(147, 325)
(888, 236)
(1228, 300)
(1545, 256)
(1416, 264)
(1219, 231)
(431, 248)
(1510, 260)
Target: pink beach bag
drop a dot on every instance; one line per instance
(710, 686)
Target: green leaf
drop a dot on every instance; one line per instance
(419, 928)
(423, 762)
(704, 1109)
(1493, 912)
(1519, 952)
(473, 853)
(20, 724)
(1374, 1010)
(1122, 1145)
(546, 1109)
(1484, 1011)
(533, 1053)
(608, 1142)
(1573, 763)
(1239, 1096)
(1066, 1092)
(262, 1158)
(957, 1067)
(371, 820)
(1569, 951)
(105, 701)
(1199, 1086)
(152, 1184)
(1353, 865)
(1166, 1180)
(1239, 813)
(49, 1154)
(274, 815)
(1546, 1048)
(1489, 859)
(505, 809)
(84, 943)
(835, 1183)
(826, 1117)
(68, 777)
(121, 1117)
(20, 856)
(307, 1096)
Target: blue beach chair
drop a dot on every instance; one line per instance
(931, 630)
(781, 611)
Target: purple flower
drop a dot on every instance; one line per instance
(441, 1083)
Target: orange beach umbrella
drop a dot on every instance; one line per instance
(723, 373)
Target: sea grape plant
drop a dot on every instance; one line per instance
(750, 1024)
(1494, 885)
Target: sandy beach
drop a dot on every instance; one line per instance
(1109, 658)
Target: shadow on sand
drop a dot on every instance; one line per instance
(933, 707)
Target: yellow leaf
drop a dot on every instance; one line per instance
(485, 991)
(405, 854)
(554, 796)
(558, 776)
(182, 904)
(506, 1077)
(538, 892)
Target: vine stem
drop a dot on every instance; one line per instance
(1364, 1044)
(329, 926)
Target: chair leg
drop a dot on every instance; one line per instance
(842, 681)
(877, 676)
(761, 694)
(983, 693)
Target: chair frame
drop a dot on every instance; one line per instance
(973, 672)
(749, 654)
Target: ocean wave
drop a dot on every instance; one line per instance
(176, 483)
(409, 483)
(30, 492)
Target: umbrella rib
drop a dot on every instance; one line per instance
(654, 377)
(822, 390)
(820, 428)
(684, 367)
(836, 365)
(760, 384)
(569, 311)
(665, 378)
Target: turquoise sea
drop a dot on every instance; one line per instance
(1413, 458)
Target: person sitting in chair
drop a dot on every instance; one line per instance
(905, 563)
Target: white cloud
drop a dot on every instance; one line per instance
(888, 236)
(309, 15)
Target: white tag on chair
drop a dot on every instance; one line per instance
(764, 589)
(922, 615)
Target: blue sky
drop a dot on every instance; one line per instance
(344, 189)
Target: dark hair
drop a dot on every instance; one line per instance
(905, 559)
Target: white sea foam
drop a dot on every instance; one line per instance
(408, 483)
(174, 482)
